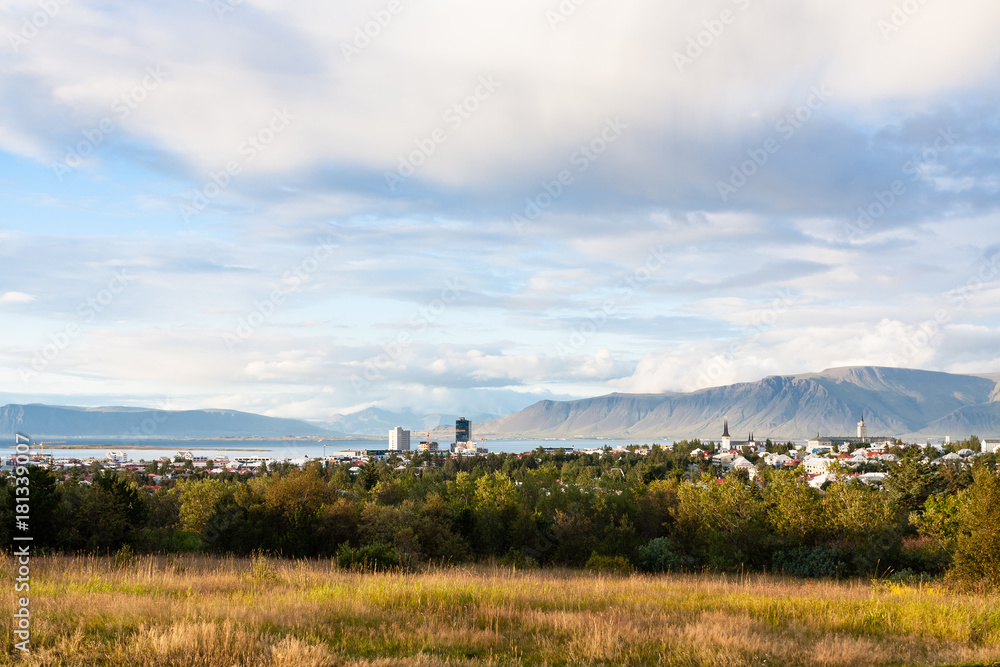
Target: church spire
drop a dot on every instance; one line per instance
(725, 428)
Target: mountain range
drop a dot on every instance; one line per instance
(52, 420)
(893, 401)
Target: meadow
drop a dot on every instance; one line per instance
(153, 611)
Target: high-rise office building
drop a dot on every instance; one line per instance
(399, 439)
(463, 429)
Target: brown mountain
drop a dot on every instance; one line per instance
(894, 401)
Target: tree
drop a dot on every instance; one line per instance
(911, 481)
(940, 522)
(495, 508)
(977, 547)
(125, 495)
(723, 525)
(865, 523)
(200, 501)
(794, 510)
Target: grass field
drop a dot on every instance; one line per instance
(227, 611)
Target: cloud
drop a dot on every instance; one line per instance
(16, 297)
(833, 156)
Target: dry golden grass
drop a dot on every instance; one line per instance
(203, 611)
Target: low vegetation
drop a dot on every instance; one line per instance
(154, 611)
(608, 513)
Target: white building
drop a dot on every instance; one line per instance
(252, 461)
(777, 460)
(740, 463)
(871, 478)
(399, 440)
(815, 464)
(727, 443)
(990, 445)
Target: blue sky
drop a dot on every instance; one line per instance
(466, 207)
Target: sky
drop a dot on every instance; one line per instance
(311, 208)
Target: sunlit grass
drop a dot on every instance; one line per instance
(191, 610)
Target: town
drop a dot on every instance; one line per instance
(816, 461)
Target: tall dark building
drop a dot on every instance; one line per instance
(463, 429)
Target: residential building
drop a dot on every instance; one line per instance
(816, 465)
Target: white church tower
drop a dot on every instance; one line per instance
(862, 429)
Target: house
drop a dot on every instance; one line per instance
(871, 478)
(777, 460)
(725, 459)
(817, 481)
(990, 445)
(816, 465)
(740, 463)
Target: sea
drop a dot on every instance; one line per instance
(148, 449)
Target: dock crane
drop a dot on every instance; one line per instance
(437, 431)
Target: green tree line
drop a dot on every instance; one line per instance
(659, 512)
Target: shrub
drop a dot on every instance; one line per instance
(123, 558)
(515, 559)
(609, 565)
(818, 561)
(371, 557)
(261, 571)
(977, 552)
(660, 555)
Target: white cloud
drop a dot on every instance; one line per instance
(16, 297)
(699, 315)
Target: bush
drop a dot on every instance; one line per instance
(923, 556)
(515, 559)
(372, 557)
(609, 565)
(659, 555)
(261, 571)
(123, 558)
(818, 561)
(977, 551)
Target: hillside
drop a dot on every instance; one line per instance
(48, 420)
(895, 401)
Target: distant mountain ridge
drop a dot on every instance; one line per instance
(894, 401)
(50, 420)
